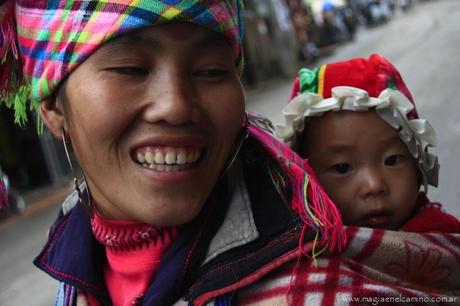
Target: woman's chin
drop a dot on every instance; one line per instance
(170, 215)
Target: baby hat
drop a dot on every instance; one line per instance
(360, 85)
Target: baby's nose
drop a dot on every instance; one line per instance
(373, 183)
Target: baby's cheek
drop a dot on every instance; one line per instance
(303, 145)
(348, 218)
(345, 209)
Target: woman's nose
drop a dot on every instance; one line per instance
(173, 99)
(373, 183)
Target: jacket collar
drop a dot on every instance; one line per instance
(72, 255)
(238, 227)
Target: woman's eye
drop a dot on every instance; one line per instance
(394, 160)
(211, 73)
(131, 71)
(341, 168)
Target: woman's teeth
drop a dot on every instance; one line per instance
(169, 159)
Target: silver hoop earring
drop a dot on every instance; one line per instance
(86, 204)
(242, 136)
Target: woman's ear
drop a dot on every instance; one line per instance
(52, 115)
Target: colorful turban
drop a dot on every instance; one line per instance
(55, 36)
(360, 85)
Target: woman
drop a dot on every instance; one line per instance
(148, 95)
(186, 198)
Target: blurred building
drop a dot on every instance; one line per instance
(29, 160)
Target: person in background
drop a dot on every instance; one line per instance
(356, 123)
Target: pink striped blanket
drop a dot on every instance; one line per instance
(378, 267)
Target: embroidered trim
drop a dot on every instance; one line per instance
(130, 235)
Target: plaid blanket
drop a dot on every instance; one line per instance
(377, 267)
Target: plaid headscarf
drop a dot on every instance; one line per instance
(56, 36)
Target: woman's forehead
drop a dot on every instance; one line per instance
(177, 33)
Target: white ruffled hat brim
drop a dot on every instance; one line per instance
(391, 105)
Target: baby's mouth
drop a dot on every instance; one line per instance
(168, 158)
(377, 219)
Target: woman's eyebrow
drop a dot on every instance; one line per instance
(130, 40)
(207, 40)
(211, 40)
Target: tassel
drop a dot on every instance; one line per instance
(317, 203)
(316, 210)
(6, 25)
(14, 91)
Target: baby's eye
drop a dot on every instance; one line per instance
(131, 71)
(394, 160)
(341, 168)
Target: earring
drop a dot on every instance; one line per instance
(86, 204)
(242, 136)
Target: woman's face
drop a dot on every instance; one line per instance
(364, 167)
(153, 117)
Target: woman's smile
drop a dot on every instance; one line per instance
(175, 154)
(168, 158)
(169, 164)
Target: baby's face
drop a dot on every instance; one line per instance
(364, 166)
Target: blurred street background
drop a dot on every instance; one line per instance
(420, 37)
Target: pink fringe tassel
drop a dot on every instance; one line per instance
(316, 210)
(326, 212)
(10, 72)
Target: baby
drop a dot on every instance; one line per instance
(357, 124)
